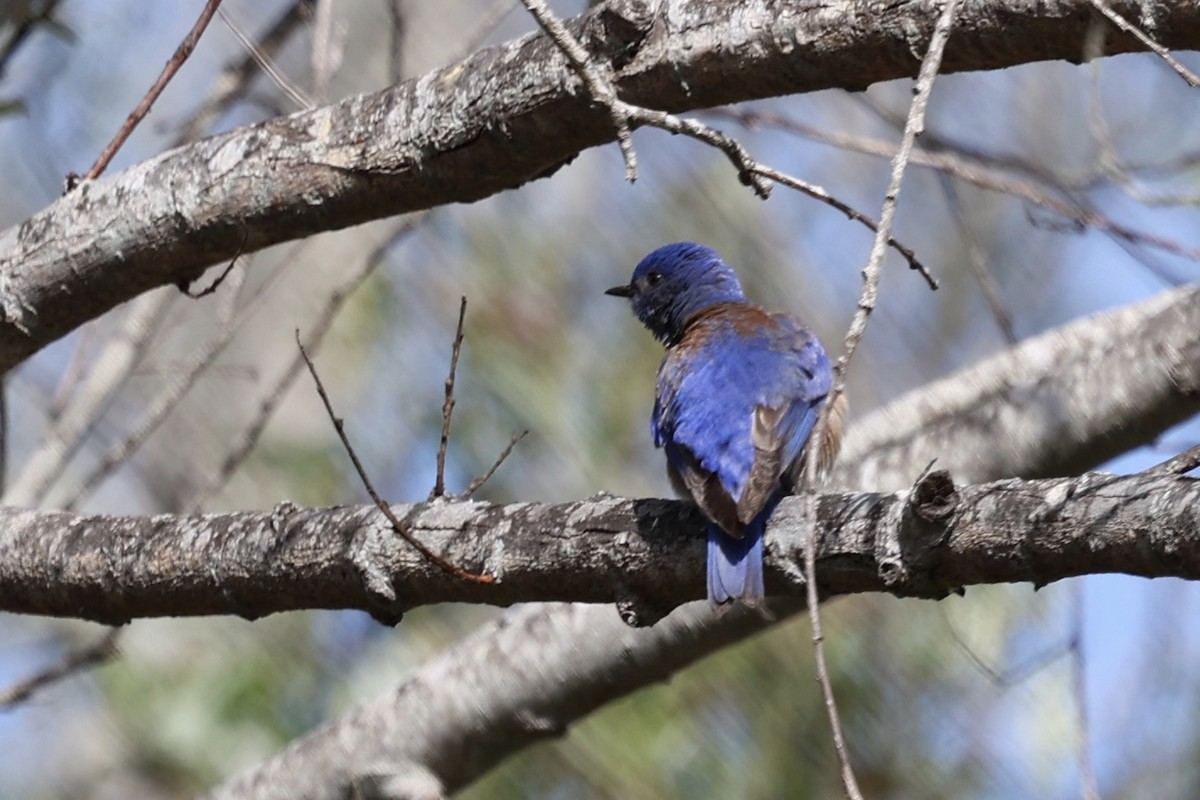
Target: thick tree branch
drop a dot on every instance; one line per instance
(990, 420)
(493, 121)
(643, 552)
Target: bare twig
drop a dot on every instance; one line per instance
(978, 170)
(1137, 33)
(439, 482)
(866, 304)
(475, 485)
(384, 508)
(600, 87)
(219, 279)
(143, 108)
(820, 194)
(235, 79)
(98, 652)
(1178, 465)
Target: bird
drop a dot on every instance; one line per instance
(738, 394)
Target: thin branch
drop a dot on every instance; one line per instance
(475, 485)
(143, 108)
(1136, 32)
(819, 193)
(866, 304)
(168, 399)
(600, 87)
(97, 653)
(974, 169)
(384, 508)
(439, 482)
(235, 79)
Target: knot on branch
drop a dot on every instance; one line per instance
(934, 499)
(624, 26)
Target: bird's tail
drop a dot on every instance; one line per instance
(735, 566)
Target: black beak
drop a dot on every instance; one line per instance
(620, 291)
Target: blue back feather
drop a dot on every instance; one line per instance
(726, 357)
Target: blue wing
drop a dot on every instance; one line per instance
(738, 397)
(737, 400)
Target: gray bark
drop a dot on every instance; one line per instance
(1052, 396)
(493, 121)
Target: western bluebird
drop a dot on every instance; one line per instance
(739, 391)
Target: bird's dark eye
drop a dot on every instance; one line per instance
(653, 278)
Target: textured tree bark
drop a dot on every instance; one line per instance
(1052, 396)
(493, 121)
(643, 554)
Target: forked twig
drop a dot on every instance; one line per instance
(439, 482)
(397, 525)
(598, 86)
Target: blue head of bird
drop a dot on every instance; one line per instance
(674, 283)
